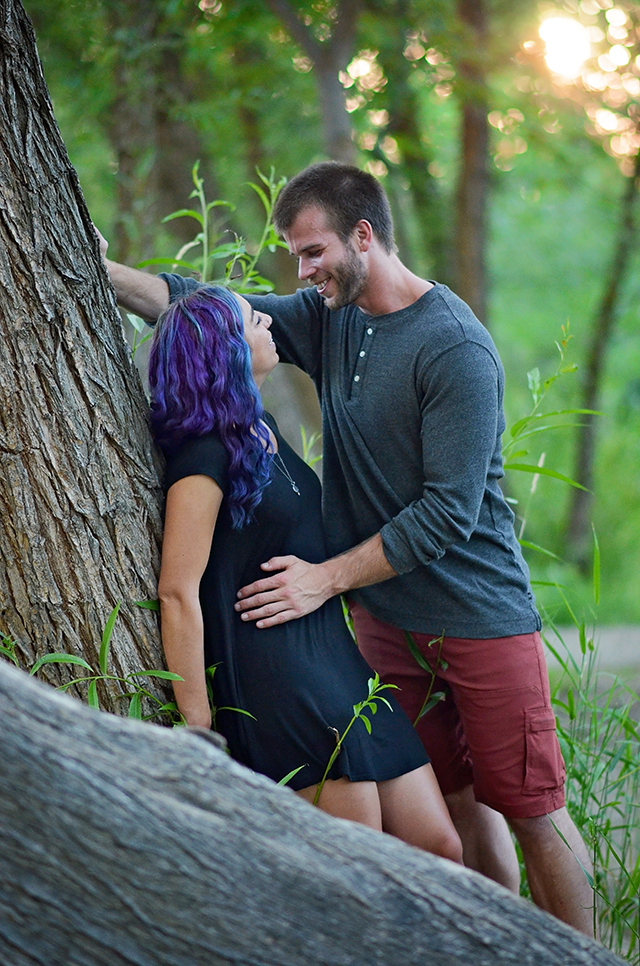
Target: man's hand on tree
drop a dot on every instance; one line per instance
(298, 588)
(104, 244)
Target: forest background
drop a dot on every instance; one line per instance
(509, 149)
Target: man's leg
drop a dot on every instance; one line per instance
(556, 872)
(487, 846)
(486, 841)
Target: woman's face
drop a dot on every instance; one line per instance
(264, 357)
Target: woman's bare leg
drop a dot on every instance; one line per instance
(414, 810)
(357, 801)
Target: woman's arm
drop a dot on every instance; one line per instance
(190, 518)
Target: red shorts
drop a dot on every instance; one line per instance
(494, 728)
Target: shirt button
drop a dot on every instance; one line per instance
(356, 378)
(369, 331)
(362, 353)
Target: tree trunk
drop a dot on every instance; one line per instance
(578, 535)
(124, 843)
(79, 491)
(473, 180)
(425, 197)
(329, 57)
(131, 124)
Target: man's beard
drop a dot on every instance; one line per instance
(349, 278)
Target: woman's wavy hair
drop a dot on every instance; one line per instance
(201, 381)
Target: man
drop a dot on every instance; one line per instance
(419, 534)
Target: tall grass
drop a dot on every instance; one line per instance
(600, 739)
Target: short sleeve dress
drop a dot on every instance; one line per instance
(298, 680)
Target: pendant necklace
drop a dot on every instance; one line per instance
(285, 472)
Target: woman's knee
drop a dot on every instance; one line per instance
(447, 845)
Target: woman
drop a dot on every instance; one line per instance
(236, 495)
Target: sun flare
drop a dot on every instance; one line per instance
(567, 45)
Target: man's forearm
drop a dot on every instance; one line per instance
(359, 567)
(140, 293)
(297, 587)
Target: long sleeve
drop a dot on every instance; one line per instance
(460, 409)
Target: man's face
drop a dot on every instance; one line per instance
(324, 260)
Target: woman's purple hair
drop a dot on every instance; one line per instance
(201, 381)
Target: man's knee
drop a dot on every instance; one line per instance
(539, 829)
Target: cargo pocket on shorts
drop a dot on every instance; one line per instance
(544, 767)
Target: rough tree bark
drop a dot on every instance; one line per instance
(473, 180)
(578, 534)
(124, 843)
(79, 492)
(329, 57)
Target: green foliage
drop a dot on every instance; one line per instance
(8, 649)
(309, 444)
(209, 676)
(139, 328)
(600, 741)
(369, 704)
(239, 264)
(129, 689)
(432, 697)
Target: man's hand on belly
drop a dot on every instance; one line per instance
(298, 588)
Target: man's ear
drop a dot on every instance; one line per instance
(363, 233)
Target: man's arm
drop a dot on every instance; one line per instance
(458, 438)
(300, 587)
(145, 295)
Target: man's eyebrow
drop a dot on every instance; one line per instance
(308, 248)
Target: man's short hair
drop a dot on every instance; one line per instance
(346, 195)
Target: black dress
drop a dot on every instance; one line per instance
(300, 679)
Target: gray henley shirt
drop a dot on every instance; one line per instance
(412, 412)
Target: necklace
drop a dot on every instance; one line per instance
(285, 472)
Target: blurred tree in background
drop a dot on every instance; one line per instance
(506, 134)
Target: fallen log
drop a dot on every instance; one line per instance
(124, 843)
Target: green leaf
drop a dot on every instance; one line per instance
(184, 213)
(292, 774)
(596, 566)
(9, 654)
(543, 471)
(135, 706)
(416, 654)
(163, 675)
(148, 604)
(429, 703)
(138, 323)
(571, 704)
(168, 261)
(263, 198)
(533, 381)
(521, 423)
(220, 204)
(92, 694)
(534, 546)
(106, 637)
(366, 722)
(518, 454)
(384, 700)
(59, 659)
(239, 711)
